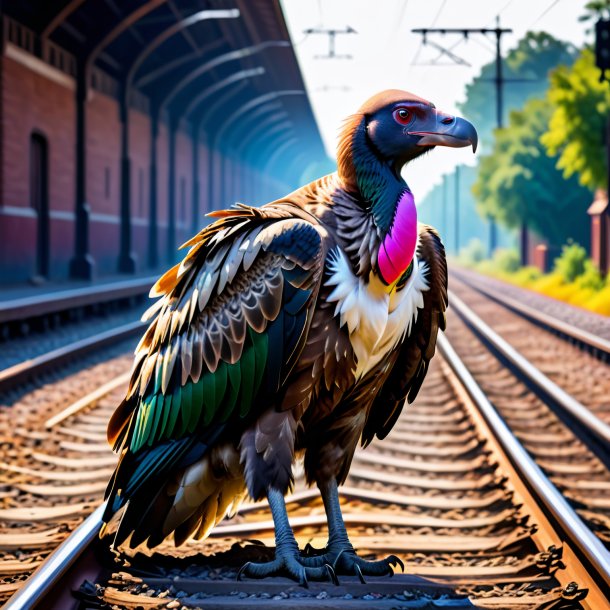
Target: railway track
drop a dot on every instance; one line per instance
(115, 309)
(463, 508)
(54, 461)
(586, 330)
(565, 438)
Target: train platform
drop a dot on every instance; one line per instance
(18, 291)
(20, 302)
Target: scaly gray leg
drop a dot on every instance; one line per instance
(339, 552)
(287, 560)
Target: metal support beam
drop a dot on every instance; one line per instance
(254, 135)
(205, 119)
(218, 61)
(171, 194)
(195, 182)
(153, 237)
(278, 126)
(127, 259)
(60, 17)
(225, 82)
(264, 152)
(242, 111)
(81, 265)
(287, 140)
(174, 29)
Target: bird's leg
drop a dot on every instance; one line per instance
(287, 560)
(339, 552)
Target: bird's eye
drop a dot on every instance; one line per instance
(402, 116)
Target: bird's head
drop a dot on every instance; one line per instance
(398, 127)
(389, 130)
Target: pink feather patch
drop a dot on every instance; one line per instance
(398, 247)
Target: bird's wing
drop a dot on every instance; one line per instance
(232, 321)
(413, 356)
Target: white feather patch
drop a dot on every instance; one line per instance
(377, 321)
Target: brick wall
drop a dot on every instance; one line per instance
(184, 187)
(139, 152)
(103, 179)
(33, 102)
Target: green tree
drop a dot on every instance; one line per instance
(596, 9)
(531, 60)
(518, 183)
(576, 129)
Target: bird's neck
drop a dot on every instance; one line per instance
(389, 201)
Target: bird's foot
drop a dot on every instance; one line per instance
(289, 564)
(344, 561)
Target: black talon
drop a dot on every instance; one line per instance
(336, 561)
(332, 574)
(243, 569)
(400, 563)
(359, 573)
(304, 582)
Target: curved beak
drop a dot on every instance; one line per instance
(447, 130)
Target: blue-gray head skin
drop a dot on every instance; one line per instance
(389, 130)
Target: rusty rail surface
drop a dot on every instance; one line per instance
(29, 369)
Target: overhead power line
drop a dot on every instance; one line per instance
(332, 34)
(544, 12)
(499, 79)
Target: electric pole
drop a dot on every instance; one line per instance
(332, 34)
(602, 61)
(499, 82)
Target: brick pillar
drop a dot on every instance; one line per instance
(171, 200)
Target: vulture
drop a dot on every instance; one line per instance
(292, 330)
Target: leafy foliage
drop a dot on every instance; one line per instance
(507, 260)
(577, 125)
(591, 278)
(519, 183)
(596, 9)
(571, 263)
(473, 253)
(534, 56)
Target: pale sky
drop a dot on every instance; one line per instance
(384, 50)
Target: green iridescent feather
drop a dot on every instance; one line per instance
(213, 398)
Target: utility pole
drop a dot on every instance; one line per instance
(332, 34)
(457, 210)
(499, 82)
(602, 61)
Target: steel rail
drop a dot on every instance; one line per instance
(25, 370)
(585, 541)
(48, 574)
(580, 336)
(560, 397)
